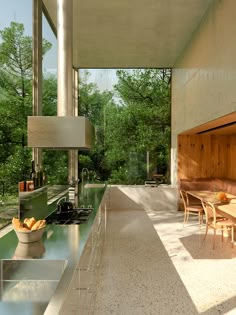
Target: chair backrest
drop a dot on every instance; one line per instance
(184, 197)
(210, 212)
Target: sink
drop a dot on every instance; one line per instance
(30, 280)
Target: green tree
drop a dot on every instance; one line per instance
(93, 104)
(141, 122)
(16, 60)
(15, 101)
(49, 106)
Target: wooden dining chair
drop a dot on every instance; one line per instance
(191, 208)
(217, 222)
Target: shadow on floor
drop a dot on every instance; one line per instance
(204, 250)
(226, 306)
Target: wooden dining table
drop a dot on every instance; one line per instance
(224, 208)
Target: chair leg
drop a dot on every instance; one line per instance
(214, 241)
(232, 236)
(185, 216)
(204, 238)
(201, 219)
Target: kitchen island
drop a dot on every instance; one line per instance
(36, 277)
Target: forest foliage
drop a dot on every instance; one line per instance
(131, 122)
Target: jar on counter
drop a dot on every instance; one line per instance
(29, 185)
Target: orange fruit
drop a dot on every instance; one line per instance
(221, 196)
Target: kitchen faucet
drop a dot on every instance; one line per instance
(59, 200)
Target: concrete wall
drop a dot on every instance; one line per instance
(204, 77)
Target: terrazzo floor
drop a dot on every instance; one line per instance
(152, 264)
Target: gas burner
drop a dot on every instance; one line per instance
(76, 216)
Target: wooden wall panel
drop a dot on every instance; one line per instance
(231, 161)
(202, 156)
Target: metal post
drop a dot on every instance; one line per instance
(37, 70)
(64, 36)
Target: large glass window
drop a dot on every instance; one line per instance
(15, 100)
(130, 109)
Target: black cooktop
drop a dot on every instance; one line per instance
(74, 216)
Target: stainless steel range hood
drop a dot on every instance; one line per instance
(60, 132)
(67, 130)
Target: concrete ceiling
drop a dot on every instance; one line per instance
(131, 33)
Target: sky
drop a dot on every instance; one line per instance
(21, 11)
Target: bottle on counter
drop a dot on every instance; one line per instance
(25, 183)
(37, 176)
(33, 174)
(44, 178)
(21, 186)
(29, 185)
(40, 176)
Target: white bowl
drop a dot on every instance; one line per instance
(30, 236)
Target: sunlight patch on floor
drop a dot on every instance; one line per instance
(207, 274)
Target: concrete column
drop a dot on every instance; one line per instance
(65, 106)
(73, 154)
(76, 113)
(37, 70)
(174, 165)
(65, 45)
